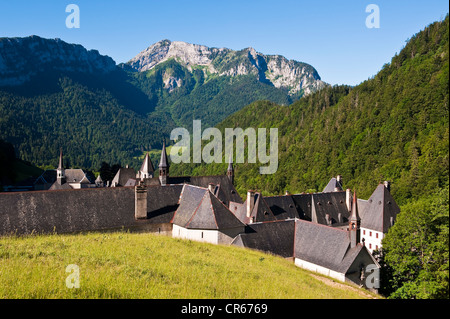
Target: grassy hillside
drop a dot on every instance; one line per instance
(393, 126)
(124, 265)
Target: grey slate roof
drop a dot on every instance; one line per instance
(303, 205)
(323, 245)
(73, 175)
(227, 190)
(275, 237)
(122, 176)
(163, 162)
(380, 209)
(147, 166)
(332, 185)
(200, 209)
(332, 204)
(282, 207)
(162, 202)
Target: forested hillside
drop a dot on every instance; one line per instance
(54, 94)
(393, 127)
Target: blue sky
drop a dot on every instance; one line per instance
(330, 35)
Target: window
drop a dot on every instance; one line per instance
(370, 234)
(370, 246)
(202, 234)
(364, 231)
(376, 235)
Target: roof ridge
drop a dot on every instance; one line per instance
(321, 225)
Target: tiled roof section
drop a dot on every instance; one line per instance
(224, 217)
(56, 186)
(381, 209)
(162, 202)
(147, 166)
(261, 211)
(73, 175)
(227, 191)
(332, 185)
(332, 204)
(203, 216)
(272, 237)
(282, 207)
(122, 176)
(321, 245)
(240, 211)
(200, 209)
(190, 200)
(303, 205)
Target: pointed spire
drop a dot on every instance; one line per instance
(230, 164)
(61, 164)
(60, 173)
(230, 170)
(163, 163)
(354, 216)
(354, 224)
(147, 169)
(163, 166)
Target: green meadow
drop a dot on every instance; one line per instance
(141, 265)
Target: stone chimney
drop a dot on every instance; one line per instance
(348, 199)
(339, 179)
(387, 184)
(211, 187)
(140, 202)
(250, 202)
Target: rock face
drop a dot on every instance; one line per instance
(293, 76)
(21, 58)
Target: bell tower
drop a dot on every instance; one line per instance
(163, 166)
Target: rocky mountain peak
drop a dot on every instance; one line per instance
(296, 77)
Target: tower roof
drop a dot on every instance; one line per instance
(355, 216)
(147, 166)
(163, 163)
(61, 164)
(230, 164)
(380, 210)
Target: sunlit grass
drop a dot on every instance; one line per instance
(126, 265)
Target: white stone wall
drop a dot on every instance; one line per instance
(202, 235)
(372, 238)
(319, 269)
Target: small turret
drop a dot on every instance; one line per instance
(354, 224)
(60, 173)
(163, 166)
(147, 169)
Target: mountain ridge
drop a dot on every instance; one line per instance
(275, 70)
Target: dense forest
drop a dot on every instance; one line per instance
(393, 127)
(117, 116)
